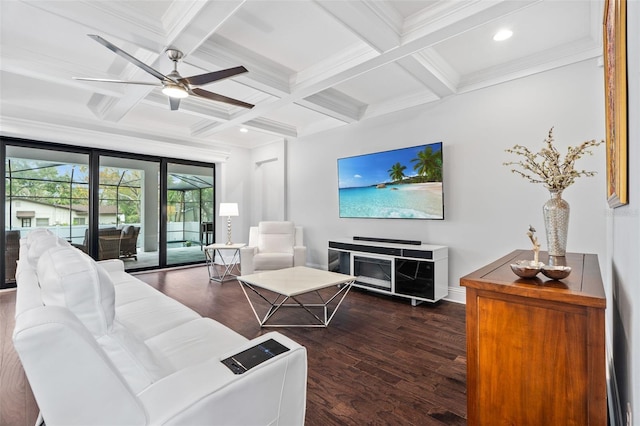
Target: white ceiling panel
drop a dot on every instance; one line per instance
(381, 84)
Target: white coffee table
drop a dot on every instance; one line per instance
(210, 256)
(291, 283)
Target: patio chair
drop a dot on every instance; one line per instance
(12, 250)
(128, 242)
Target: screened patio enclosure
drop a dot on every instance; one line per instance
(55, 190)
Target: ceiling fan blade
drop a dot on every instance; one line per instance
(128, 57)
(108, 80)
(174, 103)
(210, 77)
(218, 98)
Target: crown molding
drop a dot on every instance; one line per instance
(334, 104)
(72, 131)
(449, 18)
(399, 104)
(567, 54)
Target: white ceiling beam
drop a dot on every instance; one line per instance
(189, 24)
(362, 19)
(334, 104)
(264, 74)
(432, 71)
(272, 127)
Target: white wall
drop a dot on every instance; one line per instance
(269, 172)
(256, 180)
(624, 326)
(487, 208)
(234, 187)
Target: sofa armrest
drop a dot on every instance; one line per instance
(112, 265)
(246, 260)
(273, 392)
(299, 256)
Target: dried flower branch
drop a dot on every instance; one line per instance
(546, 166)
(534, 240)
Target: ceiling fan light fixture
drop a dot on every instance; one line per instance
(502, 35)
(174, 91)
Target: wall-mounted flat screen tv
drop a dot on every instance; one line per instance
(402, 183)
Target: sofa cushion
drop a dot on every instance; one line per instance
(71, 279)
(132, 357)
(41, 243)
(37, 233)
(276, 237)
(194, 342)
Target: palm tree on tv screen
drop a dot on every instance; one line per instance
(428, 164)
(396, 172)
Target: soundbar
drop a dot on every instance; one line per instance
(388, 240)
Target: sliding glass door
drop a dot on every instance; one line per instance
(189, 221)
(129, 211)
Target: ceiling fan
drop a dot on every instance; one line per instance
(173, 84)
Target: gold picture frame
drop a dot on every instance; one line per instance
(615, 85)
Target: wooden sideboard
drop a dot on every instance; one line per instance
(536, 347)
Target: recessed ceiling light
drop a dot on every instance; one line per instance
(502, 35)
(244, 129)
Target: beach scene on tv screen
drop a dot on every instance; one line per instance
(403, 183)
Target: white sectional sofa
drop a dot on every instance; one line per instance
(101, 347)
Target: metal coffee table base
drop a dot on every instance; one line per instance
(280, 301)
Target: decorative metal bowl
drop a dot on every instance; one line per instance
(556, 272)
(526, 268)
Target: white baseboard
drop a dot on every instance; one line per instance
(457, 295)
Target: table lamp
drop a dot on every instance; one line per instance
(228, 210)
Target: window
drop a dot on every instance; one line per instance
(42, 222)
(79, 220)
(46, 185)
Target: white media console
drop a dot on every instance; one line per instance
(413, 270)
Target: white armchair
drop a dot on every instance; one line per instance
(273, 245)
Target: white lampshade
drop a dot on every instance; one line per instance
(229, 209)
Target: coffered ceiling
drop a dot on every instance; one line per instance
(312, 65)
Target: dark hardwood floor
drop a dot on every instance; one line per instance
(380, 361)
